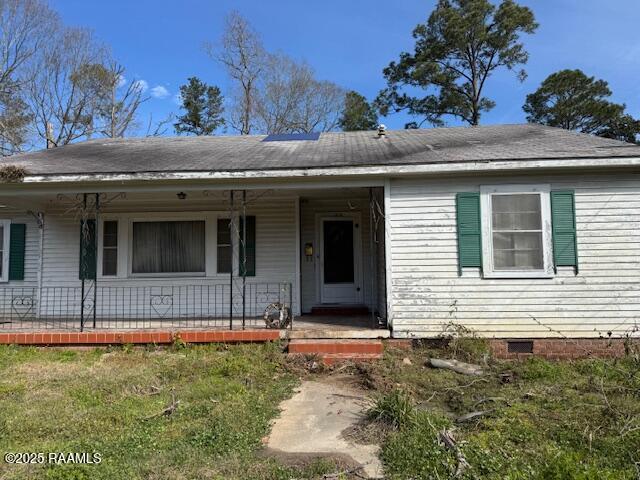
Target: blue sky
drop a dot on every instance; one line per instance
(351, 41)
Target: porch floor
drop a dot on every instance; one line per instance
(305, 326)
(335, 326)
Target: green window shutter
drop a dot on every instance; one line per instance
(563, 221)
(17, 237)
(469, 232)
(88, 257)
(250, 247)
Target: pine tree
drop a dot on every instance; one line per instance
(460, 46)
(203, 108)
(570, 99)
(358, 114)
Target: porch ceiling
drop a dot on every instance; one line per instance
(167, 198)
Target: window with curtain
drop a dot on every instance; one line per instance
(224, 246)
(516, 232)
(168, 247)
(110, 248)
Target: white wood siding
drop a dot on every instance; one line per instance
(428, 295)
(32, 248)
(18, 297)
(275, 241)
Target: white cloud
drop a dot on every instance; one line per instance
(141, 85)
(122, 81)
(159, 92)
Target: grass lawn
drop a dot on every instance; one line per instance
(110, 402)
(545, 420)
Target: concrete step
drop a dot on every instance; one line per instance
(335, 350)
(334, 333)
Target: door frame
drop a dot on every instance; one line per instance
(355, 217)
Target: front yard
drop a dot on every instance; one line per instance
(541, 420)
(201, 412)
(112, 403)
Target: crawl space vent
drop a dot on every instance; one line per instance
(520, 347)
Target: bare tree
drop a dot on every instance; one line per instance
(321, 107)
(242, 54)
(61, 104)
(14, 123)
(291, 100)
(116, 101)
(158, 129)
(25, 26)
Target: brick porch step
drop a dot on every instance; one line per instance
(335, 350)
(331, 358)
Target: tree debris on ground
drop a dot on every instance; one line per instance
(456, 366)
(447, 439)
(12, 173)
(169, 410)
(473, 416)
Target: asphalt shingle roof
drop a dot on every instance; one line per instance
(335, 149)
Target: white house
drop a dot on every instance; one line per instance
(514, 231)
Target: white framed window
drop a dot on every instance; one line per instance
(516, 231)
(163, 244)
(223, 245)
(109, 248)
(5, 227)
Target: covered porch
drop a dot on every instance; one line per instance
(190, 257)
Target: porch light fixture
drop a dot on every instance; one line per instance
(181, 195)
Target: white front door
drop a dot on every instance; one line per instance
(340, 260)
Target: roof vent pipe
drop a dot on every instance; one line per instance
(382, 130)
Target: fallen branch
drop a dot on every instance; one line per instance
(448, 440)
(173, 406)
(473, 415)
(456, 366)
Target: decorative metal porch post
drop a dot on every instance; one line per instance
(244, 256)
(87, 269)
(95, 259)
(231, 254)
(237, 220)
(83, 255)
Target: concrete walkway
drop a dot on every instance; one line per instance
(313, 421)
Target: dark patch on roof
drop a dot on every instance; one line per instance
(289, 137)
(335, 149)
